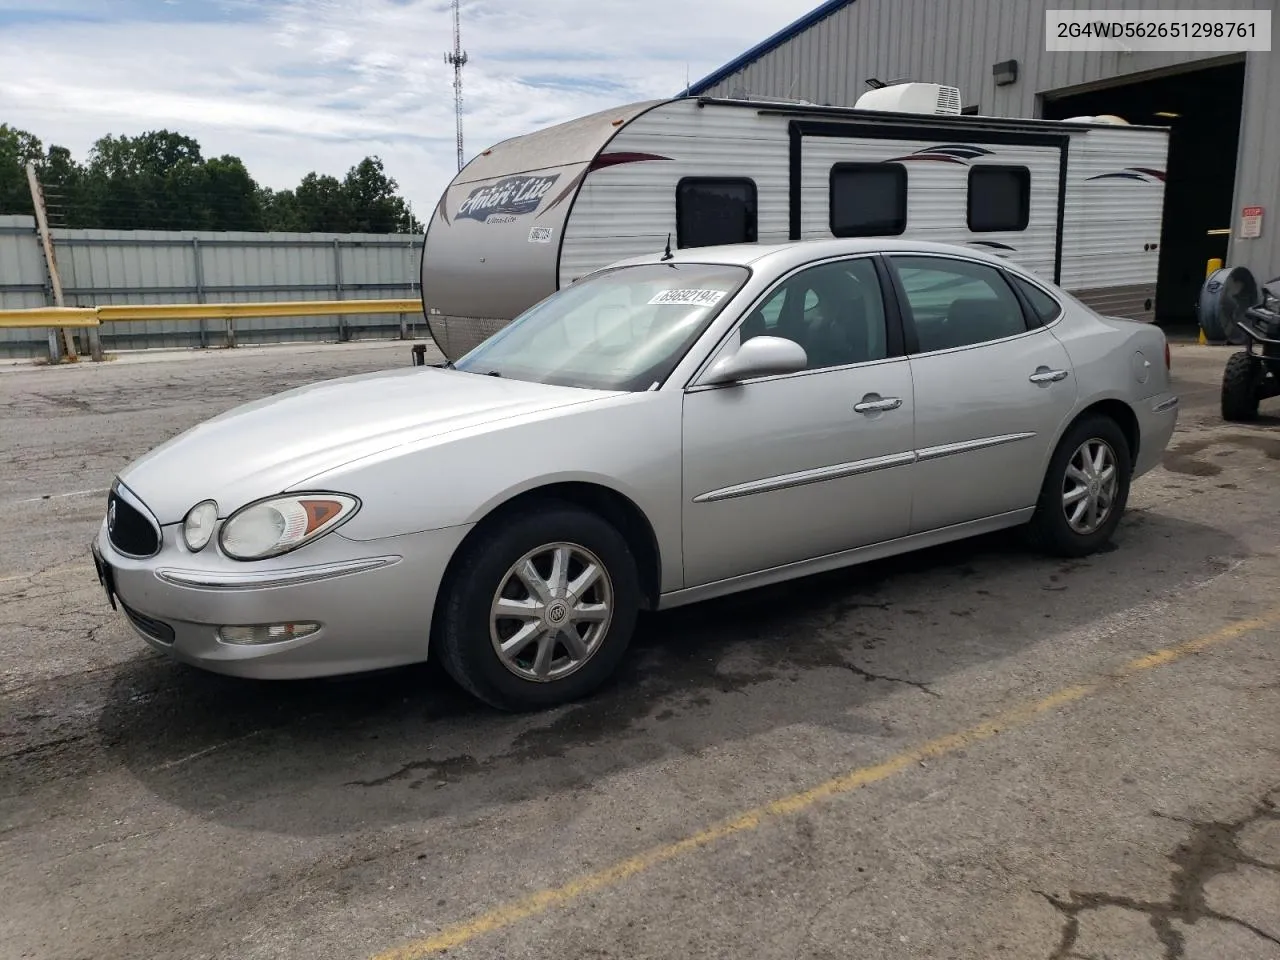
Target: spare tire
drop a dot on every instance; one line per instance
(1226, 294)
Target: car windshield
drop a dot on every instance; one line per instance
(623, 329)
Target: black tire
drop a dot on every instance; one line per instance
(1049, 529)
(1240, 388)
(462, 635)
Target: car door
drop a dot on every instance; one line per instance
(992, 386)
(780, 469)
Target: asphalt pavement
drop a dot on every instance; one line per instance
(971, 752)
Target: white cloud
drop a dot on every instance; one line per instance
(293, 86)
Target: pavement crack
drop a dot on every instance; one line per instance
(868, 676)
(40, 747)
(439, 770)
(1211, 850)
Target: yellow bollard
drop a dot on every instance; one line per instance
(1215, 263)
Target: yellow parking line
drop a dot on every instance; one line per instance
(458, 934)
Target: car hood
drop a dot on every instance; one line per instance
(270, 445)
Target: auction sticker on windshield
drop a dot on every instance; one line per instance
(690, 298)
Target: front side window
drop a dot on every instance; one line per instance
(999, 198)
(868, 199)
(956, 303)
(715, 210)
(622, 329)
(834, 310)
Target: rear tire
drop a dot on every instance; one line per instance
(505, 619)
(1085, 489)
(1240, 388)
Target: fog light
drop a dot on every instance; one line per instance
(267, 632)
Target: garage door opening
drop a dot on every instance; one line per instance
(1202, 110)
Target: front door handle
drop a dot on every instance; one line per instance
(874, 403)
(1045, 375)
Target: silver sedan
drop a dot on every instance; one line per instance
(666, 430)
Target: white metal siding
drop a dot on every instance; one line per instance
(956, 42)
(1111, 228)
(938, 193)
(629, 209)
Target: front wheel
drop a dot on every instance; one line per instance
(540, 609)
(1085, 489)
(1240, 388)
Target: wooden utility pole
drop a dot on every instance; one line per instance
(61, 343)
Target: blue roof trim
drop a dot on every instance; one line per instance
(760, 49)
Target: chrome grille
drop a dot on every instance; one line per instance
(130, 530)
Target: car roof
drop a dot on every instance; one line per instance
(796, 252)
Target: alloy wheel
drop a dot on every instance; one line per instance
(1090, 485)
(551, 612)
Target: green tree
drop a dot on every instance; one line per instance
(160, 180)
(322, 203)
(373, 202)
(17, 149)
(281, 211)
(230, 195)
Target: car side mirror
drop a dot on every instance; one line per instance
(759, 357)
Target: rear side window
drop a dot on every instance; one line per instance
(999, 198)
(868, 199)
(715, 210)
(957, 303)
(1045, 308)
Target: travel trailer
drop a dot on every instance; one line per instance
(1077, 201)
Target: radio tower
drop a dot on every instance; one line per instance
(457, 58)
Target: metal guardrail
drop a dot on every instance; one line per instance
(80, 317)
(91, 318)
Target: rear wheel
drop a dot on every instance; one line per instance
(1240, 387)
(540, 609)
(1085, 489)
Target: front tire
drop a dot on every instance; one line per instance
(1085, 489)
(1240, 388)
(540, 609)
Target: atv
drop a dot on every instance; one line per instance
(1253, 374)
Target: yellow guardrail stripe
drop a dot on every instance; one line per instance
(49, 317)
(117, 313)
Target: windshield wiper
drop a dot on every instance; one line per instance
(493, 373)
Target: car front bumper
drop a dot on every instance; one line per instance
(372, 599)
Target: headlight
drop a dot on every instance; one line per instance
(197, 528)
(269, 528)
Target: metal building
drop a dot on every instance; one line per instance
(1223, 111)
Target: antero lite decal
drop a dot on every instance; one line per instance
(505, 200)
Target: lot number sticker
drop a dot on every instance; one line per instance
(689, 298)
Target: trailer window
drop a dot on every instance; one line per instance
(999, 198)
(715, 210)
(868, 199)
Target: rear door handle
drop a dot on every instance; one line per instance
(874, 403)
(1045, 375)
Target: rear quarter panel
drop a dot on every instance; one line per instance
(1108, 357)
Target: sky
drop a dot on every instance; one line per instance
(292, 86)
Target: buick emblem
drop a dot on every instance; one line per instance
(557, 613)
(111, 516)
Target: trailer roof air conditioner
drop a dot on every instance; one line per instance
(912, 98)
